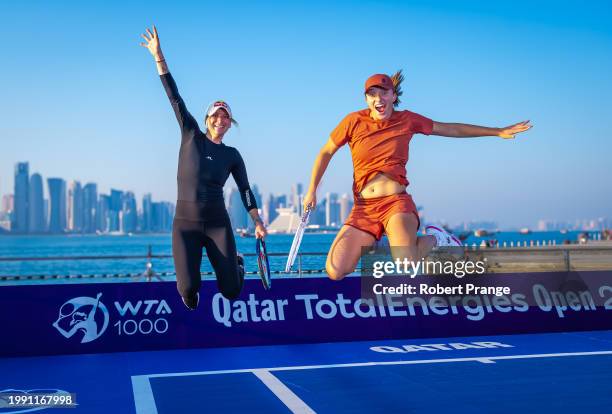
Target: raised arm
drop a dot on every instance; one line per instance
(318, 169)
(184, 118)
(468, 131)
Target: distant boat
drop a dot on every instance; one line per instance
(563, 231)
(525, 230)
(481, 233)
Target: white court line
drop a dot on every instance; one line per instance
(144, 401)
(143, 395)
(288, 397)
(366, 364)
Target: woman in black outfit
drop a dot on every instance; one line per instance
(201, 219)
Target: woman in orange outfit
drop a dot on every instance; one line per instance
(378, 138)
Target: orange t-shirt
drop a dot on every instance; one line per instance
(379, 146)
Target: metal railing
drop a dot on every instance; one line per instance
(500, 259)
(149, 273)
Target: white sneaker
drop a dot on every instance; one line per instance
(443, 238)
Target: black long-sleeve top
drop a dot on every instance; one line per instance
(204, 166)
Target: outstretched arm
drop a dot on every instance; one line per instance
(467, 131)
(186, 122)
(318, 169)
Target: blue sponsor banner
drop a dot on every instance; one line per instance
(112, 317)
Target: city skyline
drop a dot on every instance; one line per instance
(67, 206)
(51, 211)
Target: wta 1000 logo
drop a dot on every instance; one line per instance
(87, 318)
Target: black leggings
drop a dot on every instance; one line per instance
(188, 238)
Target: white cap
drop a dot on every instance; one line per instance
(215, 106)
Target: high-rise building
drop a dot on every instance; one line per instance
(90, 204)
(116, 200)
(102, 213)
(146, 213)
(257, 195)
(281, 201)
(156, 217)
(170, 211)
(319, 213)
(296, 197)
(332, 210)
(236, 211)
(37, 205)
(268, 210)
(75, 207)
(46, 213)
(346, 204)
(57, 205)
(162, 214)
(116, 205)
(21, 214)
(114, 220)
(129, 213)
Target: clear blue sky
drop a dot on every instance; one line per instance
(82, 100)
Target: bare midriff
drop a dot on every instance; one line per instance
(381, 185)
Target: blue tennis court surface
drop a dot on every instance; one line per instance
(561, 372)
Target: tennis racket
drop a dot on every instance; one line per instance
(297, 239)
(263, 263)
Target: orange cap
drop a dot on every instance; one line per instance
(380, 80)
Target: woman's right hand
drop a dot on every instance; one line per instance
(310, 200)
(152, 43)
(510, 131)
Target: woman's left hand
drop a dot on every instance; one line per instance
(152, 43)
(260, 231)
(510, 131)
